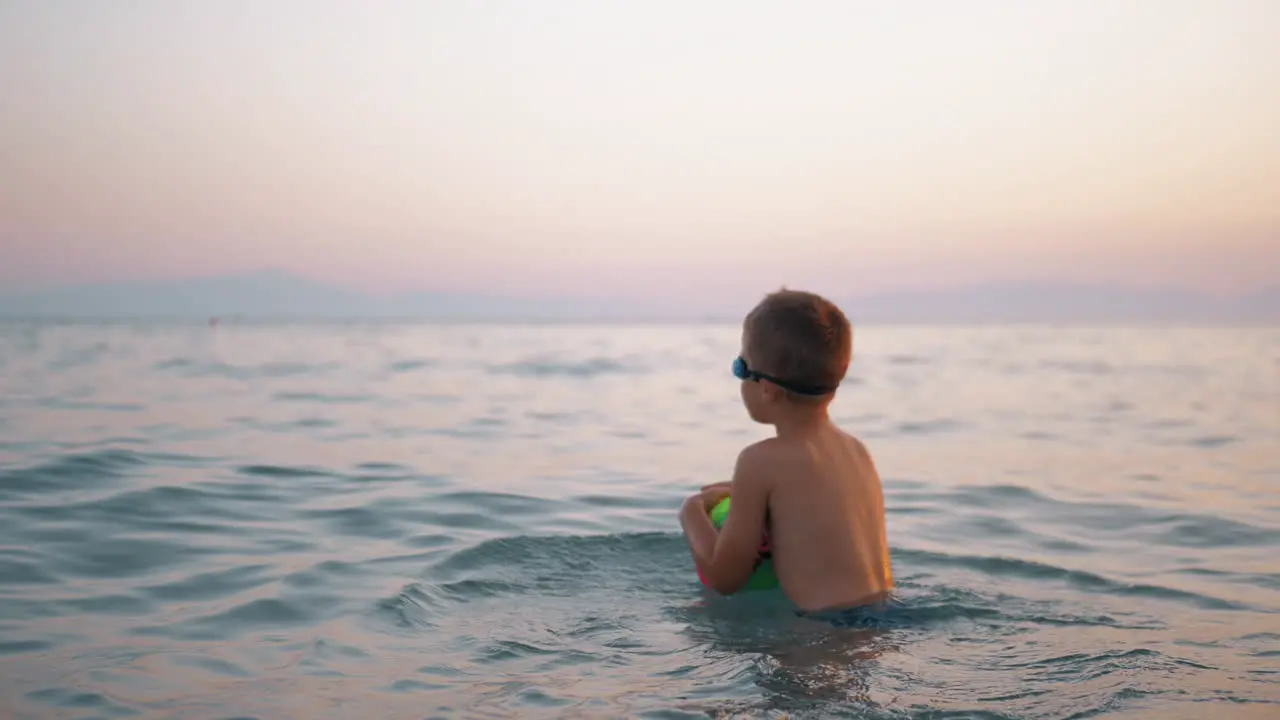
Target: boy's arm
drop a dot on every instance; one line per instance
(727, 559)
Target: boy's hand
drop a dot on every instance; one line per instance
(727, 558)
(713, 494)
(708, 497)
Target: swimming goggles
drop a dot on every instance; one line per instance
(743, 372)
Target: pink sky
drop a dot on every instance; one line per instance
(603, 147)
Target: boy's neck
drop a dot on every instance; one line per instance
(800, 420)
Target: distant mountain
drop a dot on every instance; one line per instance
(275, 294)
(268, 291)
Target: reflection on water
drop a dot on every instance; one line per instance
(444, 521)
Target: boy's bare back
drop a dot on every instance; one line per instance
(826, 519)
(812, 488)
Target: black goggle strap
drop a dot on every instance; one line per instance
(741, 364)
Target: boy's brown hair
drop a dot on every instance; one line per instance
(800, 337)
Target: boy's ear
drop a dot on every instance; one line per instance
(772, 392)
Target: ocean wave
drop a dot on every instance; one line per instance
(407, 366)
(74, 358)
(928, 427)
(589, 368)
(1083, 580)
(263, 614)
(1152, 524)
(198, 368)
(75, 405)
(210, 585)
(322, 398)
(284, 471)
(909, 360)
(73, 472)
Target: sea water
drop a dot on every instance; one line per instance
(355, 520)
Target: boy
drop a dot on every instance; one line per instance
(812, 488)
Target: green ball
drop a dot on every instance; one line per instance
(720, 513)
(763, 578)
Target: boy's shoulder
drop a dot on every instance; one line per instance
(779, 448)
(773, 455)
(855, 443)
(852, 442)
(761, 452)
(759, 462)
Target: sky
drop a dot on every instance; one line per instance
(642, 147)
